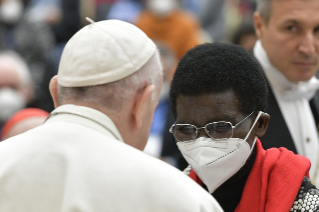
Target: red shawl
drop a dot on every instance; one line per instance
(273, 182)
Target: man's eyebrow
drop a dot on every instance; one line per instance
(291, 21)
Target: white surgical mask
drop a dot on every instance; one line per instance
(162, 7)
(11, 11)
(215, 161)
(11, 101)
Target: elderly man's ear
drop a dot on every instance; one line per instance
(143, 105)
(262, 124)
(54, 90)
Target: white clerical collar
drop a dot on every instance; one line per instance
(87, 113)
(285, 88)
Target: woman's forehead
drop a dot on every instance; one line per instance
(207, 107)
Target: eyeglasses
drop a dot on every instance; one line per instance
(216, 130)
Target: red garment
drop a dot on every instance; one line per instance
(21, 115)
(273, 182)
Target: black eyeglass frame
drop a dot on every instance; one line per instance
(205, 127)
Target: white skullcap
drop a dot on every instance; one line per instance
(104, 52)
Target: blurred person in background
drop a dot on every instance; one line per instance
(212, 18)
(65, 27)
(220, 18)
(16, 88)
(126, 10)
(70, 21)
(245, 36)
(288, 50)
(163, 20)
(34, 42)
(102, 8)
(48, 11)
(22, 121)
(193, 6)
(64, 17)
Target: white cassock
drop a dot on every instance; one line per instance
(77, 162)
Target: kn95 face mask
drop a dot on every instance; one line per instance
(215, 161)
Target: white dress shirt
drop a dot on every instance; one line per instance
(293, 100)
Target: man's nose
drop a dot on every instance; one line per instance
(308, 43)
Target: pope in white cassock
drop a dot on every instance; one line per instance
(86, 157)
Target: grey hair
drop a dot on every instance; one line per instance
(264, 9)
(20, 66)
(116, 94)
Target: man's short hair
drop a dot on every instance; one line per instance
(264, 9)
(217, 67)
(116, 94)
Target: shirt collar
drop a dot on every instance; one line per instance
(98, 120)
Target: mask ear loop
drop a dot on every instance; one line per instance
(257, 117)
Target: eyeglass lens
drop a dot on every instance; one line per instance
(184, 132)
(220, 130)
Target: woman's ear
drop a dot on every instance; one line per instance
(262, 124)
(54, 90)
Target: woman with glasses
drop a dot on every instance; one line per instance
(217, 97)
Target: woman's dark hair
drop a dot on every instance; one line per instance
(216, 67)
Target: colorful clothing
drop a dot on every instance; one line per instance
(179, 30)
(277, 180)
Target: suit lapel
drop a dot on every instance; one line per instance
(277, 134)
(314, 105)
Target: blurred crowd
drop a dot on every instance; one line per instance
(33, 34)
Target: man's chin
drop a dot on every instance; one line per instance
(302, 77)
(301, 73)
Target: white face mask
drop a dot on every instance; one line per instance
(215, 161)
(11, 11)
(10, 102)
(162, 7)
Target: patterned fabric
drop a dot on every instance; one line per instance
(307, 199)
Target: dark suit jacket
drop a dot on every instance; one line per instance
(277, 134)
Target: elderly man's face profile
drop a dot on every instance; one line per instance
(205, 108)
(291, 37)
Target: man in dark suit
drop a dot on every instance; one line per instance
(288, 50)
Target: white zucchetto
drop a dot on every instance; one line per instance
(104, 52)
